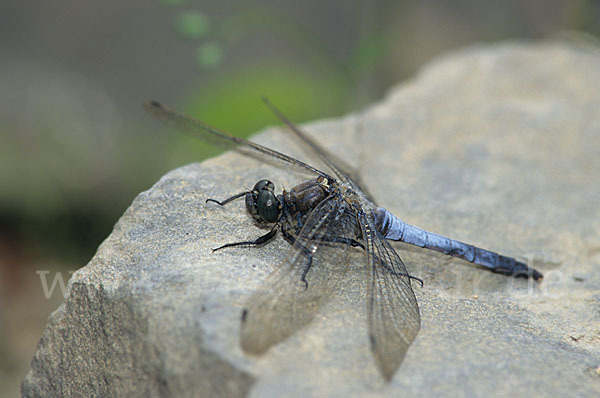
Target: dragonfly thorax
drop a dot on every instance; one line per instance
(262, 203)
(305, 196)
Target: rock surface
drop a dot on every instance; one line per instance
(496, 146)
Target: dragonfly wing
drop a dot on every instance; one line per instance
(285, 303)
(341, 170)
(218, 137)
(393, 312)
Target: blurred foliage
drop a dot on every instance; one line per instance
(233, 103)
(209, 55)
(583, 15)
(173, 2)
(231, 99)
(192, 24)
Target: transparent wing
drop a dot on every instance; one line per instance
(393, 312)
(341, 170)
(284, 303)
(218, 137)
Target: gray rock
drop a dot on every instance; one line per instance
(496, 146)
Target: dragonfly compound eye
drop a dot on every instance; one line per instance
(268, 207)
(263, 185)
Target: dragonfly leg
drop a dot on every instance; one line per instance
(409, 276)
(252, 243)
(223, 203)
(347, 241)
(305, 272)
(292, 239)
(330, 239)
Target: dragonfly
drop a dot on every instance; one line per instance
(324, 218)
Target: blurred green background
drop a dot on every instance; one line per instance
(76, 147)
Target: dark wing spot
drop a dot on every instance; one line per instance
(244, 315)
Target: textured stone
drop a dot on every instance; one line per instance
(496, 146)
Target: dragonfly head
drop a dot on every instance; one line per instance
(262, 203)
